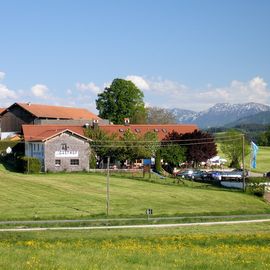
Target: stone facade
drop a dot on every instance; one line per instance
(66, 152)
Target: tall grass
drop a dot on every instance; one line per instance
(225, 247)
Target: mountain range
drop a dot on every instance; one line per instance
(225, 114)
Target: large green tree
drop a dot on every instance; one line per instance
(172, 155)
(134, 146)
(231, 145)
(122, 99)
(130, 146)
(102, 144)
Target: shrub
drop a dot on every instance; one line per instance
(256, 189)
(256, 185)
(29, 165)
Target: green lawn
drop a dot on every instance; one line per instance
(263, 159)
(55, 196)
(245, 246)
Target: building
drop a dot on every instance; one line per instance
(1, 110)
(160, 130)
(18, 114)
(58, 147)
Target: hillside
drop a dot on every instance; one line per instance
(261, 118)
(51, 196)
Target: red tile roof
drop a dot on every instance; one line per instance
(1, 110)
(44, 132)
(48, 111)
(161, 130)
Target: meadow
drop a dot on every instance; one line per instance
(245, 246)
(83, 195)
(263, 160)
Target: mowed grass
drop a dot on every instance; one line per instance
(245, 246)
(60, 196)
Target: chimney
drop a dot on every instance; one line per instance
(95, 123)
(126, 120)
(29, 103)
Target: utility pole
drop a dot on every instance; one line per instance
(243, 161)
(108, 187)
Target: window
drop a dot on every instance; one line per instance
(64, 147)
(57, 162)
(74, 162)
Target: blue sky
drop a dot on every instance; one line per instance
(189, 54)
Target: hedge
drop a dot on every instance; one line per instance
(29, 165)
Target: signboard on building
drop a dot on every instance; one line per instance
(60, 154)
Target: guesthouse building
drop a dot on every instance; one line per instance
(58, 147)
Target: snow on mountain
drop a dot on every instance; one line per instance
(220, 114)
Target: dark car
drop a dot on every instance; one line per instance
(193, 174)
(267, 174)
(214, 175)
(185, 174)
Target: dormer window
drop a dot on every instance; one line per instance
(121, 130)
(164, 130)
(156, 130)
(137, 130)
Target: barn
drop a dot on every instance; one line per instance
(18, 114)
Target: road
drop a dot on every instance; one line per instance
(136, 226)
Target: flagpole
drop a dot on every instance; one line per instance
(250, 156)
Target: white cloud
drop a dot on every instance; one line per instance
(2, 75)
(6, 93)
(139, 81)
(169, 94)
(40, 91)
(254, 90)
(69, 92)
(91, 87)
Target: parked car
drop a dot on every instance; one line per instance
(236, 174)
(267, 174)
(214, 175)
(185, 174)
(193, 174)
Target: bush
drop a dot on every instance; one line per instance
(256, 189)
(256, 185)
(29, 165)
